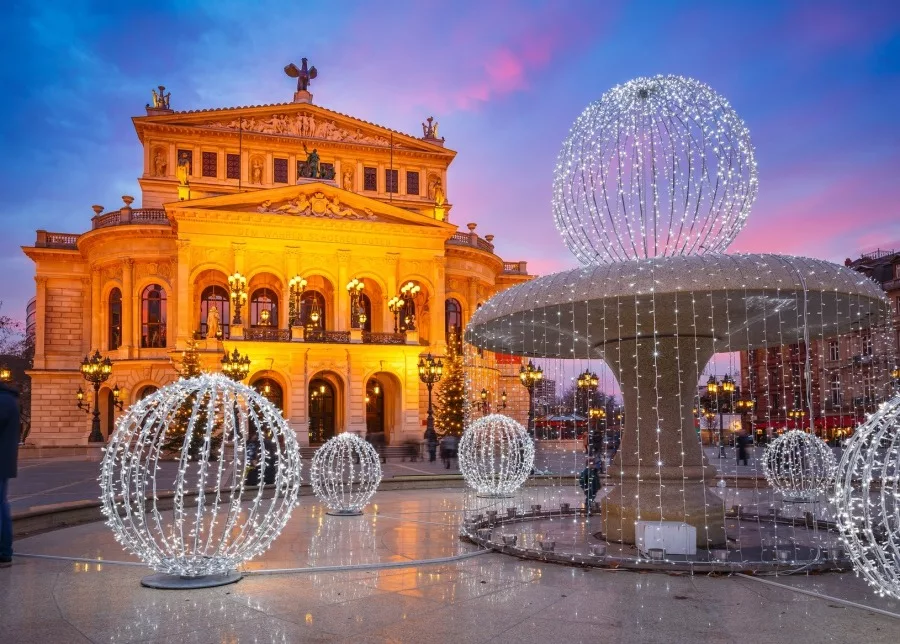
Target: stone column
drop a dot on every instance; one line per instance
(95, 322)
(342, 306)
(391, 278)
(40, 316)
(473, 295)
(660, 471)
(87, 302)
(128, 307)
(237, 262)
(436, 336)
(184, 332)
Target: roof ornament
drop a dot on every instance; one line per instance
(430, 131)
(303, 75)
(160, 100)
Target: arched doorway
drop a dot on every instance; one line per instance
(321, 411)
(374, 407)
(110, 404)
(271, 391)
(145, 391)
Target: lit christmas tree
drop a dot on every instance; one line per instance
(188, 368)
(451, 395)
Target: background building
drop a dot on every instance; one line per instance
(282, 195)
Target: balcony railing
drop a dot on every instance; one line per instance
(515, 268)
(267, 334)
(334, 337)
(130, 216)
(47, 239)
(472, 240)
(369, 337)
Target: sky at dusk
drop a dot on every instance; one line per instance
(817, 83)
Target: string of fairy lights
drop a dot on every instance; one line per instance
(496, 455)
(345, 473)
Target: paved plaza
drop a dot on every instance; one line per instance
(400, 573)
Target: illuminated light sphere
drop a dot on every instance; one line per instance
(216, 521)
(496, 455)
(799, 465)
(345, 473)
(867, 499)
(659, 166)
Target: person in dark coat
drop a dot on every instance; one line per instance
(743, 441)
(431, 442)
(9, 456)
(589, 481)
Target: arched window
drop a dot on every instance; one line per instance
(453, 319)
(146, 391)
(271, 391)
(153, 317)
(115, 319)
(312, 310)
(215, 296)
(366, 305)
(264, 308)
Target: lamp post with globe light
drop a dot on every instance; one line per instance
(235, 366)
(297, 285)
(96, 370)
(721, 394)
(529, 376)
(237, 285)
(430, 372)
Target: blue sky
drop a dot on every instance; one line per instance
(816, 83)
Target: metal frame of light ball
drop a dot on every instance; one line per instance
(694, 185)
(867, 499)
(496, 455)
(191, 548)
(345, 473)
(799, 465)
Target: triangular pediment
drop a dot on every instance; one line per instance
(312, 199)
(302, 121)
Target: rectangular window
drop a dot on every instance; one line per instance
(326, 170)
(279, 170)
(210, 164)
(412, 183)
(186, 156)
(834, 350)
(867, 345)
(233, 166)
(370, 179)
(835, 389)
(391, 181)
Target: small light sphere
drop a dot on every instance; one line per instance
(867, 499)
(217, 521)
(496, 455)
(658, 166)
(345, 473)
(798, 464)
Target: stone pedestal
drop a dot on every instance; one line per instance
(237, 331)
(184, 193)
(660, 471)
(412, 337)
(303, 96)
(297, 334)
(355, 336)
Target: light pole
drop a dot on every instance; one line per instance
(395, 305)
(430, 372)
(484, 401)
(96, 370)
(530, 375)
(503, 399)
(235, 366)
(357, 311)
(297, 285)
(408, 294)
(587, 383)
(237, 285)
(715, 388)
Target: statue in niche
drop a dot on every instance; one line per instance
(436, 191)
(160, 163)
(256, 170)
(347, 181)
(212, 323)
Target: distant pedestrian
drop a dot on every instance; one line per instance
(589, 481)
(431, 442)
(743, 441)
(9, 456)
(448, 449)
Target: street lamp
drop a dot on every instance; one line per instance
(503, 399)
(395, 305)
(5, 373)
(96, 370)
(484, 400)
(716, 389)
(430, 372)
(408, 293)
(530, 375)
(586, 383)
(237, 285)
(357, 311)
(235, 366)
(296, 286)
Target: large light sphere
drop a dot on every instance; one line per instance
(216, 521)
(867, 498)
(345, 473)
(659, 166)
(496, 455)
(799, 465)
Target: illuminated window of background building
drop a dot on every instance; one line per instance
(264, 299)
(115, 319)
(153, 317)
(215, 296)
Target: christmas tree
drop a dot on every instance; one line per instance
(451, 395)
(188, 368)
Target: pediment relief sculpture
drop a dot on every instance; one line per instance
(318, 205)
(305, 125)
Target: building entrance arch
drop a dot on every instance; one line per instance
(322, 411)
(384, 407)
